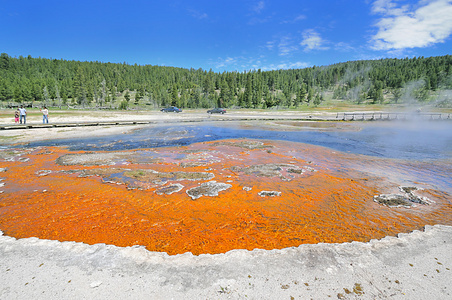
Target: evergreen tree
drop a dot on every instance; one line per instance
(127, 96)
(46, 96)
(301, 96)
(310, 96)
(378, 96)
(317, 100)
(269, 101)
(257, 94)
(226, 95)
(248, 95)
(79, 87)
(123, 105)
(57, 95)
(18, 94)
(64, 97)
(174, 96)
(4, 91)
(137, 98)
(397, 94)
(183, 99)
(103, 97)
(4, 61)
(196, 98)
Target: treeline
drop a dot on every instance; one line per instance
(97, 84)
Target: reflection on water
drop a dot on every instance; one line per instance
(426, 143)
(423, 141)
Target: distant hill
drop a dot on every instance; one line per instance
(98, 84)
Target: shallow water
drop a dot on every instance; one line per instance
(423, 141)
(138, 191)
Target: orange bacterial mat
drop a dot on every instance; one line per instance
(208, 197)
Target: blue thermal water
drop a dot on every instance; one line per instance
(418, 143)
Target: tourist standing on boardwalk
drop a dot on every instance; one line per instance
(45, 115)
(16, 116)
(23, 114)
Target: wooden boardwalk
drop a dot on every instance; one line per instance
(353, 116)
(77, 124)
(373, 116)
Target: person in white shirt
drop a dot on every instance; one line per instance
(45, 115)
(23, 114)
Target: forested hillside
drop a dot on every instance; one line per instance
(97, 84)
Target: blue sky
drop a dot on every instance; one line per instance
(226, 35)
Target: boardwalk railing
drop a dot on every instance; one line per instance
(356, 116)
(370, 116)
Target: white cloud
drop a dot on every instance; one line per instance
(270, 45)
(294, 65)
(299, 18)
(285, 46)
(342, 46)
(312, 41)
(260, 62)
(225, 62)
(257, 21)
(197, 14)
(406, 27)
(294, 20)
(387, 7)
(258, 7)
(286, 66)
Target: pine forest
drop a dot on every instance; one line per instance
(74, 84)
